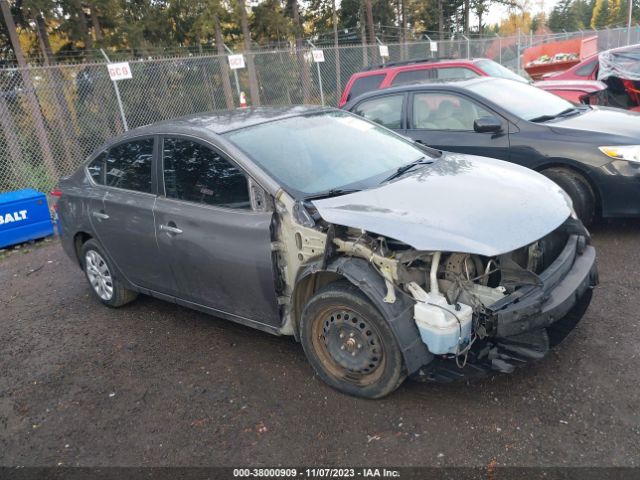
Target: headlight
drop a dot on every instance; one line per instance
(627, 152)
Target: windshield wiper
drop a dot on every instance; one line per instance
(333, 192)
(564, 113)
(407, 167)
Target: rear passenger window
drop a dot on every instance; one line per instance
(454, 73)
(586, 70)
(96, 168)
(129, 165)
(414, 76)
(196, 173)
(364, 85)
(386, 111)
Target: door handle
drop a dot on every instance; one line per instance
(100, 215)
(170, 229)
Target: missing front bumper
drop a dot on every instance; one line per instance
(528, 324)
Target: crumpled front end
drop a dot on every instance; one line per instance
(453, 313)
(548, 287)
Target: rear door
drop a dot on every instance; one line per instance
(444, 120)
(217, 246)
(123, 221)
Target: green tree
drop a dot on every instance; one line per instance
(269, 23)
(564, 17)
(600, 16)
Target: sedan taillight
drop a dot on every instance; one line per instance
(55, 194)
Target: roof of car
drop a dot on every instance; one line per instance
(435, 85)
(222, 121)
(413, 63)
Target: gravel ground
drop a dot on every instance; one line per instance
(156, 384)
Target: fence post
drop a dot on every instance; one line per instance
(499, 48)
(378, 43)
(518, 54)
(115, 86)
(629, 22)
(468, 45)
(429, 39)
(235, 72)
(319, 74)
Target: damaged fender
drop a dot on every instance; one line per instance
(399, 314)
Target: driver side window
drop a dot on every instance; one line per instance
(196, 173)
(386, 111)
(445, 111)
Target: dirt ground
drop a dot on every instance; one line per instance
(156, 384)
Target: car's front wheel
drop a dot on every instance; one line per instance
(100, 275)
(349, 344)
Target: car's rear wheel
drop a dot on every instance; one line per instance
(349, 344)
(578, 189)
(101, 277)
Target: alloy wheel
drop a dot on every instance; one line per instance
(99, 275)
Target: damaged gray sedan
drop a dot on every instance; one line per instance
(384, 258)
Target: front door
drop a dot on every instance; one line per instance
(444, 120)
(219, 249)
(123, 222)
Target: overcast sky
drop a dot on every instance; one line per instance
(497, 12)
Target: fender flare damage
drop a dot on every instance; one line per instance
(399, 314)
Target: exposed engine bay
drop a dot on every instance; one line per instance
(454, 295)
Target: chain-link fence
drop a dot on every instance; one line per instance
(52, 117)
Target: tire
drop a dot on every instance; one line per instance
(102, 278)
(578, 189)
(349, 344)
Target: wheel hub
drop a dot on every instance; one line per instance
(351, 342)
(99, 275)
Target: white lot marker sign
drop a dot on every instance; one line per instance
(384, 50)
(433, 46)
(318, 55)
(119, 71)
(236, 61)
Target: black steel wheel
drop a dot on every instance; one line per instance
(349, 343)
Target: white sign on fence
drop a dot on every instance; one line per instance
(236, 61)
(318, 56)
(119, 71)
(384, 50)
(433, 46)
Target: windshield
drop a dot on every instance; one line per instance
(521, 99)
(494, 69)
(316, 153)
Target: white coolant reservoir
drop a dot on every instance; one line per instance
(443, 328)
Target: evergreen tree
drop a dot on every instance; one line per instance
(600, 16)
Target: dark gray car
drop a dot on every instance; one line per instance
(384, 258)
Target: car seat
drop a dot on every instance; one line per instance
(421, 115)
(447, 116)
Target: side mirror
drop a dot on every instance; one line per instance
(487, 124)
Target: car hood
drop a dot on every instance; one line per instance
(460, 203)
(600, 122)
